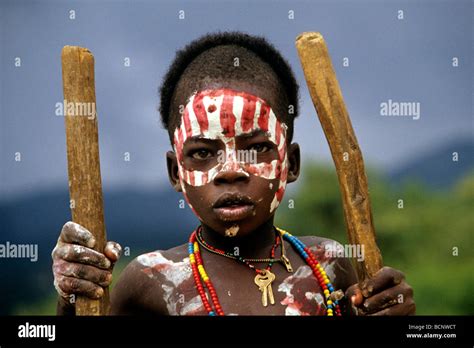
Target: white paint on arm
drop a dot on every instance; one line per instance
(174, 272)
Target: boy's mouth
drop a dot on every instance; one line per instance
(233, 207)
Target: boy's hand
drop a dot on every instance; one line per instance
(386, 293)
(77, 268)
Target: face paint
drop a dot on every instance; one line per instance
(223, 114)
(232, 231)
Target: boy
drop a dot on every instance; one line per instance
(228, 103)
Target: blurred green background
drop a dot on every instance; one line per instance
(420, 239)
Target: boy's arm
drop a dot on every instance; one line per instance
(344, 273)
(137, 294)
(346, 276)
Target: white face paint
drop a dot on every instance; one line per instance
(232, 231)
(223, 114)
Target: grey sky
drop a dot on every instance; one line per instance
(407, 60)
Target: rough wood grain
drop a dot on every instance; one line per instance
(331, 109)
(85, 185)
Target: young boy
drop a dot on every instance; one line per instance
(228, 103)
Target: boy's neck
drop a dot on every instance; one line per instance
(256, 244)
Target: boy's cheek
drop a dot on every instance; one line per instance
(194, 195)
(266, 195)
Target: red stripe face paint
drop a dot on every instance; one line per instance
(223, 114)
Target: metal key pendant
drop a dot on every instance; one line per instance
(270, 293)
(264, 281)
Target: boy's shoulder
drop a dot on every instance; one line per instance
(152, 264)
(335, 261)
(319, 243)
(169, 256)
(146, 278)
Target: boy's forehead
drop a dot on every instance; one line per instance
(253, 133)
(269, 93)
(227, 114)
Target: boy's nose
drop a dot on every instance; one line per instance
(231, 176)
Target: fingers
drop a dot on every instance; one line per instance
(382, 293)
(81, 254)
(80, 271)
(71, 285)
(407, 308)
(384, 278)
(59, 290)
(398, 294)
(76, 234)
(113, 251)
(77, 268)
(354, 294)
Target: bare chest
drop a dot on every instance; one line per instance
(296, 293)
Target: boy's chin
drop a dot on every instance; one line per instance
(236, 228)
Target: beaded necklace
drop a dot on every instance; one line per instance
(264, 277)
(283, 259)
(200, 275)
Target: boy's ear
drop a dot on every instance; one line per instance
(294, 162)
(172, 165)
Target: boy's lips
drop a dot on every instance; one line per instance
(233, 207)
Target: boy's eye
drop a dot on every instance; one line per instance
(260, 147)
(201, 154)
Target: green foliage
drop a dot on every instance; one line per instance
(421, 239)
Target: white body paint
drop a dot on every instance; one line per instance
(176, 273)
(287, 286)
(327, 264)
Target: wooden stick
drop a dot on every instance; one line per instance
(85, 185)
(331, 109)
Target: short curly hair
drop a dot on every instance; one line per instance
(207, 58)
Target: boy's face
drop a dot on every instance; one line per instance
(231, 159)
